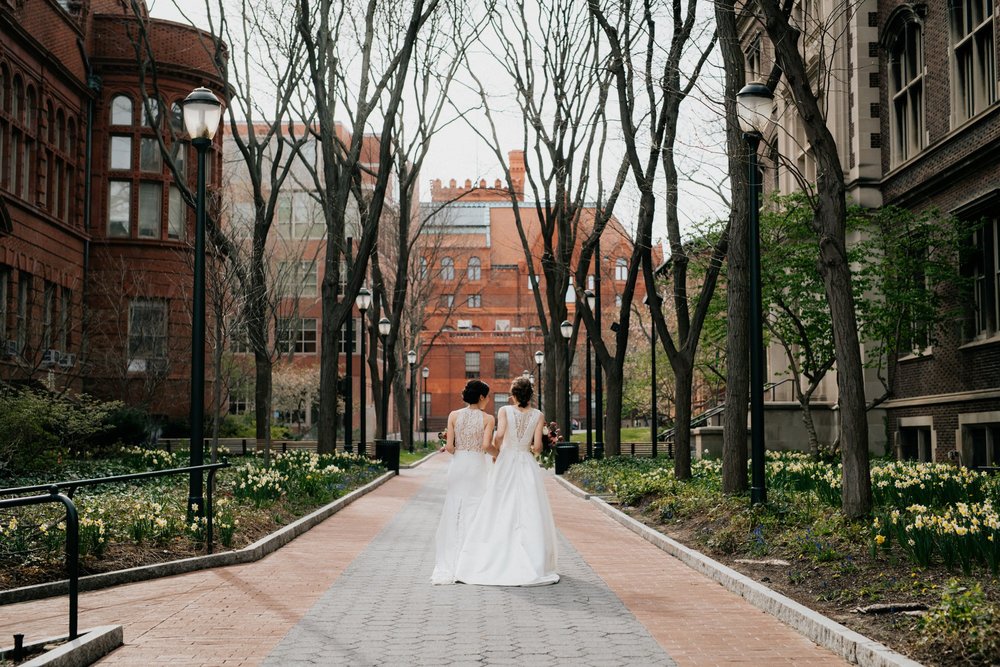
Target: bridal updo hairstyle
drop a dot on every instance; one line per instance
(522, 391)
(475, 390)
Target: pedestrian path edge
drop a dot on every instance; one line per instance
(252, 552)
(850, 645)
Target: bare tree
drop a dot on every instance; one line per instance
(639, 63)
(558, 68)
(829, 224)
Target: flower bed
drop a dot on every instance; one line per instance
(129, 524)
(933, 540)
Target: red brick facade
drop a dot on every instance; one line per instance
(95, 261)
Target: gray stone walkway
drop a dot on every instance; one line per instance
(384, 611)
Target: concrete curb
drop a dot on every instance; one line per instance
(252, 552)
(89, 647)
(850, 645)
(418, 462)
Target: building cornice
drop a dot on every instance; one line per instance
(940, 399)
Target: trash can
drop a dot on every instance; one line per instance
(567, 453)
(387, 451)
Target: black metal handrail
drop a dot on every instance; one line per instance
(73, 518)
(72, 544)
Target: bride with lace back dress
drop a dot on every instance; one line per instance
(512, 541)
(469, 439)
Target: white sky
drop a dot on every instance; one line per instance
(460, 154)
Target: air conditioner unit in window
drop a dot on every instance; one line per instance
(50, 358)
(67, 360)
(10, 348)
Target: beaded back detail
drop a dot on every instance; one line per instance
(524, 426)
(469, 427)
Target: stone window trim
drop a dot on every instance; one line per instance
(963, 439)
(922, 421)
(972, 41)
(903, 43)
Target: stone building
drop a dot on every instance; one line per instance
(95, 254)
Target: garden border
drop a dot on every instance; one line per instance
(248, 554)
(89, 647)
(848, 644)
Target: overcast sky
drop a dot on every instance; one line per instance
(459, 153)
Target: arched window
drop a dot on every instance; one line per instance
(176, 118)
(17, 99)
(151, 112)
(4, 80)
(621, 269)
(906, 89)
(121, 110)
(447, 269)
(474, 270)
(57, 129)
(31, 110)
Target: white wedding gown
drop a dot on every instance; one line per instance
(512, 541)
(467, 477)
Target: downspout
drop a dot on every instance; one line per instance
(94, 86)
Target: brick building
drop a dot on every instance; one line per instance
(911, 97)
(485, 322)
(95, 259)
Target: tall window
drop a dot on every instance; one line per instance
(753, 67)
(121, 153)
(23, 309)
(296, 335)
(621, 269)
(501, 365)
(984, 270)
(447, 269)
(500, 399)
(423, 268)
(4, 287)
(48, 313)
(150, 159)
(121, 110)
(906, 86)
(974, 69)
(298, 279)
(474, 269)
(475, 301)
(65, 317)
(176, 214)
(147, 333)
(150, 208)
(471, 365)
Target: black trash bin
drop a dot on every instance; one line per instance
(567, 453)
(387, 451)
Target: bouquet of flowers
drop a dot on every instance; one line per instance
(551, 435)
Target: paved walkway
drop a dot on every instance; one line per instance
(355, 591)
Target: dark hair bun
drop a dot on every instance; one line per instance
(522, 391)
(475, 390)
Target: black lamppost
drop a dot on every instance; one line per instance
(202, 113)
(591, 302)
(423, 401)
(363, 301)
(652, 303)
(539, 358)
(598, 373)
(411, 357)
(566, 328)
(384, 326)
(754, 107)
(349, 388)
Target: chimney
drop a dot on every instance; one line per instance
(516, 161)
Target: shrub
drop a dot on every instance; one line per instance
(128, 426)
(964, 621)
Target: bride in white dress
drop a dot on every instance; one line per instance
(469, 438)
(512, 541)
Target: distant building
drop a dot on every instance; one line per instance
(95, 255)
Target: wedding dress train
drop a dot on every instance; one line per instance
(512, 541)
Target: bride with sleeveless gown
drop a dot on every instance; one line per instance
(512, 541)
(467, 479)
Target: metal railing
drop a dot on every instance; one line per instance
(53, 495)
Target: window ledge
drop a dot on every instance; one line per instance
(925, 353)
(979, 342)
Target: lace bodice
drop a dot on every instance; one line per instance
(520, 428)
(469, 425)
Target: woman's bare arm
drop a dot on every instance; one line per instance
(449, 442)
(488, 426)
(536, 446)
(501, 430)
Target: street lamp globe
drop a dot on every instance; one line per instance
(539, 357)
(591, 299)
(411, 357)
(384, 325)
(202, 113)
(754, 106)
(364, 299)
(567, 329)
(425, 373)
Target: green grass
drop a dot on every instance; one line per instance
(640, 434)
(406, 458)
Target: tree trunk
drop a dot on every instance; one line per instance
(734, 433)
(613, 412)
(810, 424)
(262, 402)
(683, 378)
(402, 398)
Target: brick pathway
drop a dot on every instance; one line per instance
(294, 605)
